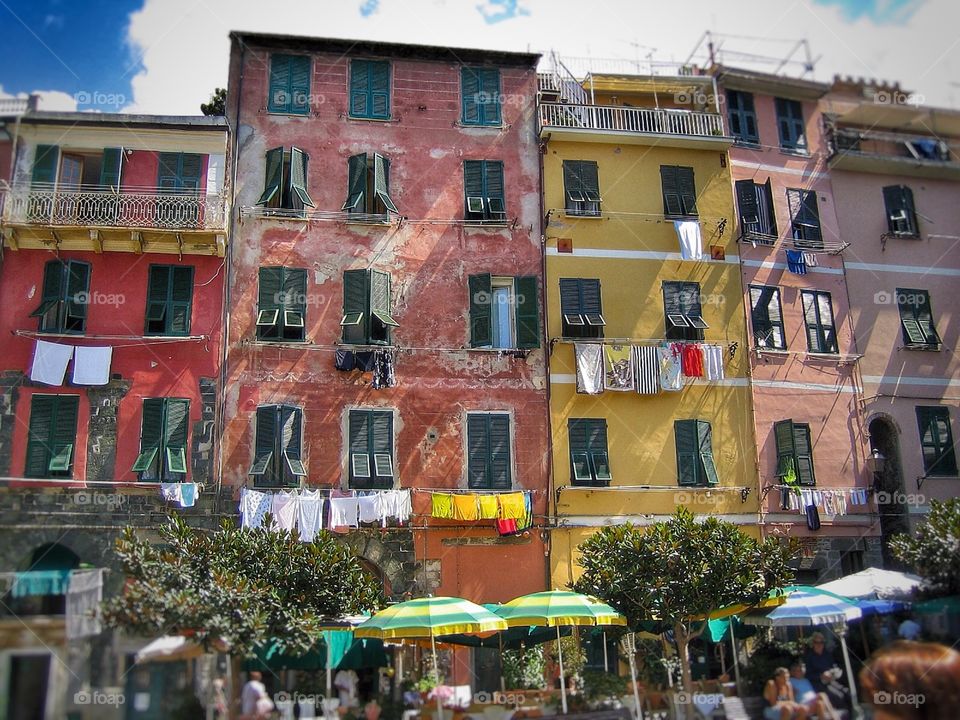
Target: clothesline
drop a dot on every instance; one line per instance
(395, 348)
(653, 342)
(645, 369)
(470, 491)
(141, 339)
(91, 365)
(652, 217)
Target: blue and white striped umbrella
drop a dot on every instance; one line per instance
(807, 606)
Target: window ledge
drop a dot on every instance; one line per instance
(772, 351)
(386, 222)
(577, 216)
(286, 113)
(480, 225)
(683, 218)
(373, 119)
(478, 126)
(754, 144)
(923, 348)
(795, 152)
(282, 215)
(281, 343)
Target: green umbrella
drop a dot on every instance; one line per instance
(511, 638)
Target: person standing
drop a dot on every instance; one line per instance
(253, 692)
(346, 683)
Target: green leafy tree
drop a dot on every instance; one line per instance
(238, 588)
(677, 572)
(217, 104)
(934, 551)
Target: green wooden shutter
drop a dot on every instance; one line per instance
(265, 444)
(747, 207)
(381, 443)
(590, 302)
(158, 288)
(490, 96)
(811, 322)
(499, 434)
(572, 187)
(708, 467)
(291, 438)
(481, 303)
(151, 439)
(381, 182)
(78, 295)
(924, 316)
(688, 190)
(379, 106)
(45, 163)
(191, 169)
(811, 215)
(670, 185)
(478, 452)
(803, 453)
(273, 179)
(469, 96)
(786, 453)
(380, 302)
(269, 302)
(298, 175)
(175, 431)
(181, 300)
(771, 211)
(168, 172)
(356, 184)
(936, 441)
(42, 408)
(359, 450)
(688, 451)
(359, 88)
(473, 189)
(356, 307)
(493, 189)
(580, 471)
(110, 168)
(590, 180)
(299, 85)
(279, 98)
(527, 311)
(49, 309)
(64, 436)
(599, 456)
(570, 296)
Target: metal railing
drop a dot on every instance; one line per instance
(924, 148)
(103, 207)
(631, 119)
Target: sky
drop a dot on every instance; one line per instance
(167, 56)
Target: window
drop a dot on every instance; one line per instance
(285, 181)
(370, 89)
(169, 296)
(805, 219)
(368, 186)
(851, 562)
(163, 440)
(483, 190)
(767, 316)
(66, 290)
(901, 213)
(581, 187)
(52, 435)
(480, 93)
(277, 458)
(46, 160)
(695, 465)
(936, 441)
(281, 304)
(758, 221)
(818, 318)
(581, 308)
(488, 451)
(371, 449)
(367, 307)
(289, 84)
(683, 311)
(790, 124)
(742, 117)
(794, 451)
(504, 312)
(916, 319)
(589, 459)
(679, 191)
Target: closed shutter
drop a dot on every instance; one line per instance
(590, 304)
(580, 471)
(181, 298)
(570, 296)
(299, 85)
(746, 193)
(151, 438)
(158, 286)
(473, 189)
(688, 451)
(670, 185)
(815, 343)
(358, 438)
(803, 452)
(572, 186)
(110, 168)
(64, 436)
(78, 295)
(590, 181)
(191, 168)
(42, 408)
(168, 172)
(298, 175)
(688, 190)
(381, 449)
(477, 451)
(356, 297)
(265, 444)
(490, 96)
(359, 88)
(293, 293)
(705, 441)
(45, 163)
(527, 311)
(175, 431)
(499, 452)
(481, 303)
(269, 302)
(469, 97)
(273, 179)
(379, 106)
(599, 457)
(786, 455)
(291, 439)
(356, 184)
(936, 441)
(493, 190)
(381, 182)
(278, 99)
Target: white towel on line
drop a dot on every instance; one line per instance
(713, 362)
(91, 365)
(344, 512)
(589, 368)
(691, 241)
(309, 514)
(50, 362)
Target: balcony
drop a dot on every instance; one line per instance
(861, 150)
(136, 220)
(636, 125)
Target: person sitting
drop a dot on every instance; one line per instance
(779, 694)
(816, 703)
(822, 671)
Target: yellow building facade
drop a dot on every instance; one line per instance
(626, 243)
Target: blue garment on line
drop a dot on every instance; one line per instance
(796, 263)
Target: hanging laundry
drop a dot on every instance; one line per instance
(713, 362)
(402, 506)
(442, 506)
(50, 362)
(647, 367)
(810, 259)
(344, 512)
(91, 365)
(383, 375)
(284, 509)
(691, 241)
(813, 517)
(363, 360)
(691, 360)
(465, 507)
(527, 520)
(619, 374)
(589, 368)
(671, 377)
(488, 507)
(188, 494)
(370, 508)
(253, 506)
(170, 492)
(828, 504)
(795, 262)
(506, 527)
(309, 514)
(344, 360)
(841, 500)
(84, 595)
(512, 506)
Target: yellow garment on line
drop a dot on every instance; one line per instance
(488, 507)
(465, 507)
(512, 506)
(442, 505)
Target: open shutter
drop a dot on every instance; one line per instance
(499, 429)
(705, 441)
(590, 302)
(572, 187)
(356, 298)
(151, 437)
(771, 212)
(39, 448)
(358, 431)
(265, 443)
(299, 84)
(527, 314)
(64, 437)
(293, 292)
(688, 451)
(45, 163)
(78, 294)
(110, 168)
(380, 298)
(381, 450)
(580, 470)
(746, 193)
(570, 299)
(175, 431)
(811, 216)
(481, 303)
(381, 182)
(924, 317)
(359, 88)
(379, 90)
(477, 451)
(784, 436)
(298, 175)
(469, 96)
(356, 184)
(803, 452)
(273, 179)
(688, 190)
(291, 438)
(828, 328)
(181, 296)
(53, 286)
(670, 185)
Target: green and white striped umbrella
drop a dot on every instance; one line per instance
(429, 617)
(554, 608)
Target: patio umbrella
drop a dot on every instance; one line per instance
(510, 639)
(874, 584)
(169, 648)
(427, 618)
(555, 608)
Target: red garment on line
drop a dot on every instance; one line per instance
(692, 361)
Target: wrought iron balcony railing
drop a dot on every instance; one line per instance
(630, 120)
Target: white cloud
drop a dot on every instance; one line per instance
(181, 47)
(51, 100)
